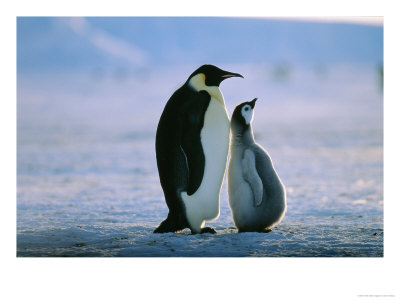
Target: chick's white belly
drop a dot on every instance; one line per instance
(240, 193)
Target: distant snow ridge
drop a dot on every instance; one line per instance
(108, 43)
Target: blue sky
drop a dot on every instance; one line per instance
(68, 44)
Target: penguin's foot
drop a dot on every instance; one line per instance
(163, 229)
(207, 230)
(168, 225)
(265, 230)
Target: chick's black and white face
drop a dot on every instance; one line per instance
(243, 115)
(247, 113)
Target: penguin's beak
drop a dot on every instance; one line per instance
(253, 102)
(227, 74)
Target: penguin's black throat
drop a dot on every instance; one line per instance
(239, 126)
(242, 133)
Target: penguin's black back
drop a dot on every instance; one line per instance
(180, 155)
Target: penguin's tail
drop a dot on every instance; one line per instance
(172, 223)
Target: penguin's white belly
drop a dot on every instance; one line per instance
(204, 203)
(240, 193)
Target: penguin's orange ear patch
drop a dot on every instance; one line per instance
(198, 83)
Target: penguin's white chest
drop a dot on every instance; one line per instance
(240, 193)
(204, 203)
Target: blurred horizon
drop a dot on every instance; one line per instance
(116, 73)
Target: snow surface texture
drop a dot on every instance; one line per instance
(88, 182)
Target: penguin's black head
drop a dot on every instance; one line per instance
(243, 115)
(213, 75)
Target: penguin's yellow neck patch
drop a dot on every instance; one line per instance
(198, 82)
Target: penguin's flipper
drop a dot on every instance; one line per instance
(250, 174)
(191, 140)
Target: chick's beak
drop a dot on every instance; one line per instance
(253, 102)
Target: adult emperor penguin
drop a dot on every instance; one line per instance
(256, 194)
(192, 142)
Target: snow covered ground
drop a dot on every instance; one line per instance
(87, 182)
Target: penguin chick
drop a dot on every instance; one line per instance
(257, 196)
